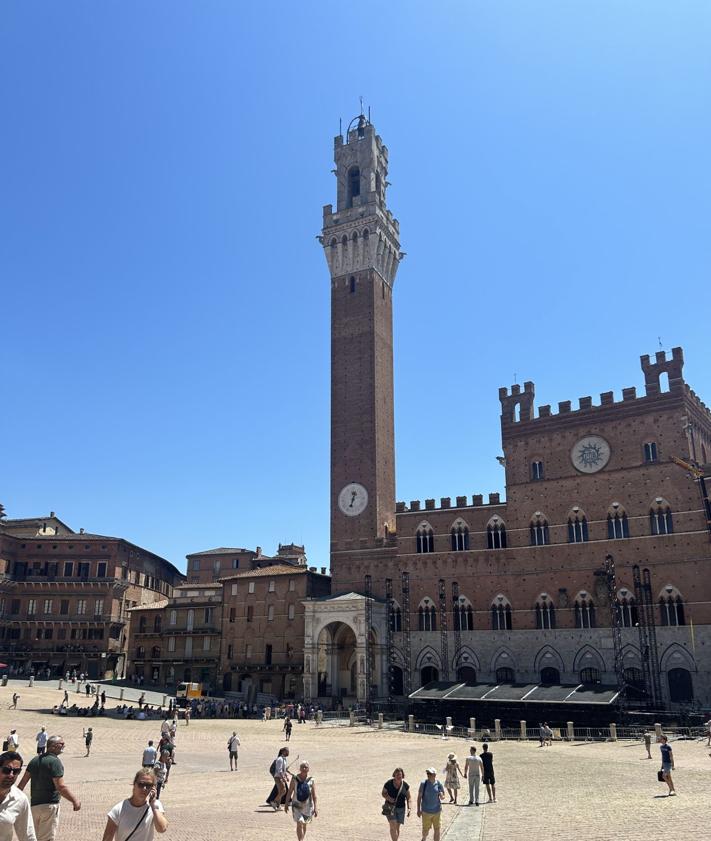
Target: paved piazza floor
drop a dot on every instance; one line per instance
(581, 791)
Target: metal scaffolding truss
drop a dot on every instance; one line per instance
(406, 643)
(443, 630)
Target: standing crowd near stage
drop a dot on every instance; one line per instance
(470, 781)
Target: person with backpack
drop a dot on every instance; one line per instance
(232, 745)
(279, 769)
(88, 739)
(302, 799)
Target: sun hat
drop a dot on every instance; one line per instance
(430, 770)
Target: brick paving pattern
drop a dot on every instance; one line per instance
(591, 792)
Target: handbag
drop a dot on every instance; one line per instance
(660, 776)
(389, 808)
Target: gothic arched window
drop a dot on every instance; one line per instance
(463, 615)
(501, 614)
(142, 625)
(545, 613)
(460, 537)
(584, 611)
(539, 530)
(496, 534)
(577, 527)
(426, 616)
(425, 539)
(671, 607)
(590, 675)
(660, 518)
(617, 524)
(627, 609)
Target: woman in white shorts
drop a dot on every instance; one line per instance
(302, 797)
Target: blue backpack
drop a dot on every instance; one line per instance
(303, 789)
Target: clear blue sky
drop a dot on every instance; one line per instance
(165, 304)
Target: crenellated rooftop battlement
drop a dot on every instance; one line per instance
(446, 503)
(517, 406)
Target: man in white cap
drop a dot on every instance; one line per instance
(429, 803)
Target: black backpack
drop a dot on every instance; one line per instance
(272, 768)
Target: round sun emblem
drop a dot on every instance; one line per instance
(590, 454)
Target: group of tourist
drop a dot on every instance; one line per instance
(296, 792)
(431, 792)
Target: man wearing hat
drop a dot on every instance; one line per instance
(429, 803)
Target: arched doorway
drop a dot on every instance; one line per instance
(428, 674)
(227, 682)
(338, 663)
(681, 689)
(550, 675)
(466, 674)
(397, 680)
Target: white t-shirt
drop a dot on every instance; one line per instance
(150, 754)
(474, 767)
(126, 816)
(281, 766)
(42, 739)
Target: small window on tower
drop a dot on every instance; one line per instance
(353, 184)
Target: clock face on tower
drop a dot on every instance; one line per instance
(590, 454)
(353, 499)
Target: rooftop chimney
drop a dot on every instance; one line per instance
(323, 570)
(81, 531)
(52, 514)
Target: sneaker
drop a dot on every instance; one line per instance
(672, 794)
(476, 804)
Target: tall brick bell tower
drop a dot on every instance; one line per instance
(361, 242)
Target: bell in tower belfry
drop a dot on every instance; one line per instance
(360, 239)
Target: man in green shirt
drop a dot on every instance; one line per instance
(47, 775)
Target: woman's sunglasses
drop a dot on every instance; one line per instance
(146, 786)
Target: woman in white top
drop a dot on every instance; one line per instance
(137, 817)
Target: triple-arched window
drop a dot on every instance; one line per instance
(627, 608)
(539, 530)
(577, 526)
(425, 538)
(671, 607)
(584, 611)
(617, 524)
(496, 533)
(545, 613)
(463, 615)
(426, 616)
(460, 536)
(501, 614)
(660, 517)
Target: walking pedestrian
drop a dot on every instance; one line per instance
(281, 777)
(473, 769)
(187, 716)
(487, 777)
(41, 739)
(139, 815)
(541, 735)
(452, 772)
(548, 734)
(397, 798)
(160, 769)
(88, 739)
(14, 806)
(287, 728)
(15, 699)
(233, 744)
(65, 700)
(13, 740)
(150, 755)
(667, 764)
(648, 744)
(47, 775)
(302, 799)
(429, 803)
